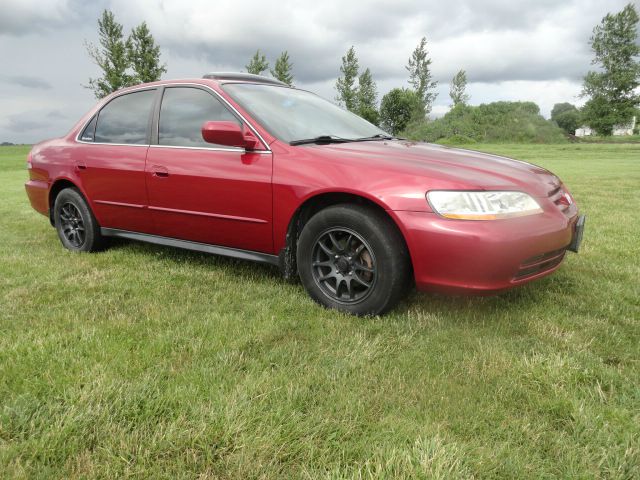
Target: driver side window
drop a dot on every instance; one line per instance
(183, 112)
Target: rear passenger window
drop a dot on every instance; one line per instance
(182, 114)
(125, 119)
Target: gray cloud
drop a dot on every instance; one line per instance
(34, 17)
(55, 115)
(29, 82)
(514, 49)
(493, 40)
(31, 121)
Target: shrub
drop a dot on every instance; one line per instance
(456, 140)
(501, 122)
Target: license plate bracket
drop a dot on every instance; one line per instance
(578, 232)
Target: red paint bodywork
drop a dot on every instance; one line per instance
(246, 199)
(228, 133)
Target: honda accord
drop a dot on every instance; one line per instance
(245, 166)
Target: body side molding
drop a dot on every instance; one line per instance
(188, 245)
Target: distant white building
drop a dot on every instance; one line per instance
(618, 130)
(625, 129)
(583, 131)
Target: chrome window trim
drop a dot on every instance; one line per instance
(77, 139)
(187, 84)
(146, 145)
(217, 149)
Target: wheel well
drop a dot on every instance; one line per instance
(304, 213)
(56, 188)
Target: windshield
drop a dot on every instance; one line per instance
(292, 115)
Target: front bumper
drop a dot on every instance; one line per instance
(461, 256)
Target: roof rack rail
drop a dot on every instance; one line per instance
(248, 77)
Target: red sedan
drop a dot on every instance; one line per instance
(244, 166)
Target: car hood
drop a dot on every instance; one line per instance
(446, 167)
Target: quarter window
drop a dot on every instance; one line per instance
(88, 134)
(125, 119)
(183, 112)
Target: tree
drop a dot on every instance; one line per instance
(457, 91)
(346, 84)
(282, 69)
(144, 55)
(123, 63)
(612, 89)
(419, 68)
(367, 96)
(397, 108)
(257, 64)
(560, 108)
(111, 57)
(567, 116)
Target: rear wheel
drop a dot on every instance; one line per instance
(76, 226)
(352, 258)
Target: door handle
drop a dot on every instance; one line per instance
(160, 171)
(81, 166)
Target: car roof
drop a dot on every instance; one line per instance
(209, 78)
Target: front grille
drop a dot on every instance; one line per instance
(539, 264)
(560, 198)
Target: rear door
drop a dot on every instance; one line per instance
(204, 192)
(110, 161)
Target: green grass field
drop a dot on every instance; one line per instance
(151, 362)
(611, 139)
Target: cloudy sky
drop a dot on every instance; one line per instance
(511, 49)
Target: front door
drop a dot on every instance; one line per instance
(203, 192)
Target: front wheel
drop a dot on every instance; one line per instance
(77, 227)
(352, 258)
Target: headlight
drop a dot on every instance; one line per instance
(486, 205)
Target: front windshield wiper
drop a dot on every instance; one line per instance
(377, 136)
(321, 139)
(335, 139)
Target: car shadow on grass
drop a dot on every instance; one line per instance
(201, 259)
(534, 297)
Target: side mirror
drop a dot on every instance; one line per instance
(229, 134)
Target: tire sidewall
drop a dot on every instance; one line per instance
(72, 196)
(382, 240)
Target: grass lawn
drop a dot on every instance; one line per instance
(146, 361)
(611, 139)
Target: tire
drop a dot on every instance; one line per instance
(352, 258)
(76, 225)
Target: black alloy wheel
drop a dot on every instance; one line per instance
(344, 265)
(72, 225)
(353, 258)
(77, 227)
